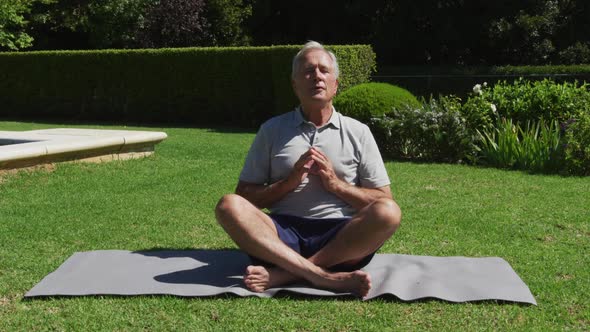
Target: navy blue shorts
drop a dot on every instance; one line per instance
(307, 236)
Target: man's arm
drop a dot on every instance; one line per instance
(264, 195)
(359, 197)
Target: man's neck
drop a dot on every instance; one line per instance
(319, 115)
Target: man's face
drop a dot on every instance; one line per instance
(315, 79)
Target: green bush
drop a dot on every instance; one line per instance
(240, 86)
(434, 131)
(462, 70)
(536, 146)
(478, 110)
(369, 100)
(524, 101)
(577, 147)
(456, 80)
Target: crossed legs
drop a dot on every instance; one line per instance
(255, 233)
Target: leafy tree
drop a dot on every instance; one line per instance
(437, 32)
(175, 23)
(13, 35)
(573, 39)
(528, 34)
(227, 20)
(88, 24)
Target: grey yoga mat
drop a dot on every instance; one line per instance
(214, 272)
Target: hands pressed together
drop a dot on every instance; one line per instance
(317, 163)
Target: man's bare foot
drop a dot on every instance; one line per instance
(259, 278)
(357, 282)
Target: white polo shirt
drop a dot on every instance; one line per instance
(348, 144)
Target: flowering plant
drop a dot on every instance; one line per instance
(520, 124)
(436, 131)
(479, 112)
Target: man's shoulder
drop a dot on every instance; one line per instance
(353, 125)
(280, 121)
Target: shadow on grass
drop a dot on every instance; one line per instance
(221, 268)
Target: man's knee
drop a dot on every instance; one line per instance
(228, 205)
(387, 212)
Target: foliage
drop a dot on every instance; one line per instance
(227, 20)
(88, 24)
(535, 147)
(539, 114)
(580, 69)
(354, 62)
(579, 52)
(524, 100)
(402, 32)
(99, 24)
(369, 100)
(435, 131)
(478, 111)
(175, 23)
(13, 34)
(192, 85)
(441, 32)
(458, 80)
(577, 150)
(114, 23)
(530, 31)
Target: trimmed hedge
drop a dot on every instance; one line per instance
(458, 80)
(197, 86)
(482, 70)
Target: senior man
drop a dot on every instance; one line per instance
(322, 178)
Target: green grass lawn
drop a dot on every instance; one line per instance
(539, 224)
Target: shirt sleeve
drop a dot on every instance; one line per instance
(372, 172)
(257, 165)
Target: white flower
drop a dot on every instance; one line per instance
(477, 89)
(493, 107)
(485, 84)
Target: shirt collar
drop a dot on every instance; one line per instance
(299, 119)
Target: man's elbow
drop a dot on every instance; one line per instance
(382, 192)
(242, 189)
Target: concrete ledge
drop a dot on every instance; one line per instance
(29, 148)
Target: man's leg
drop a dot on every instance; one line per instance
(254, 232)
(363, 235)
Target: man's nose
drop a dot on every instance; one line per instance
(317, 74)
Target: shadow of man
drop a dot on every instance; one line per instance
(220, 268)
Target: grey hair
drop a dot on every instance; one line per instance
(310, 46)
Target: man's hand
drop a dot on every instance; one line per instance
(301, 169)
(264, 195)
(357, 197)
(322, 167)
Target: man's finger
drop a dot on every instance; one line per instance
(317, 151)
(303, 160)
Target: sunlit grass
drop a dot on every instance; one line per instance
(539, 224)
